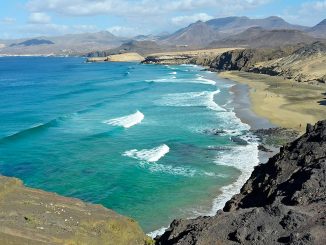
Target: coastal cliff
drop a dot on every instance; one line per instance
(283, 202)
(199, 57)
(125, 57)
(31, 216)
(301, 62)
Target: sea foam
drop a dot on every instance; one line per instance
(204, 98)
(244, 158)
(126, 121)
(148, 155)
(205, 80)
(174, 79)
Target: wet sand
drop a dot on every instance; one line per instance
(282, 102)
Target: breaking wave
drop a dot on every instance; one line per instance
(205, 99)
(148, 155)
(126, 121)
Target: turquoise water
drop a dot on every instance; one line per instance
(138, 139)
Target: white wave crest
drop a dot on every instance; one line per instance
(126, 121)
(169, 169)
(244, 158)
(148, 155)
(157, 232)
(205, 80)
(173, 73)
(174, 79)
(205, 98)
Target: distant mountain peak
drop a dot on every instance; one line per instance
(322, 23)
(318, 30)
(33, 42)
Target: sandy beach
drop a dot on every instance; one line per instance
(284, 103)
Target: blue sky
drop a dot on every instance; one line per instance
(28, 18)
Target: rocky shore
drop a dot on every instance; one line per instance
(31, 216)
(283, 202)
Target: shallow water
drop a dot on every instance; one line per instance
(138, 139)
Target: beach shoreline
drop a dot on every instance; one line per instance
(282, 102)
(243, 111)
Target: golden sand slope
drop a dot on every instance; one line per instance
(284, 102)
(298, 67)
(126, 57)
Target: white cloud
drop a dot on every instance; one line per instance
(123, 31)
(84, 28)
(129, 8)
(39, 18)
(187, 19)
(308, 13)
(8, 21)
(54, 29)
(319, 6)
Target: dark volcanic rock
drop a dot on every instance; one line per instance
(283, 202)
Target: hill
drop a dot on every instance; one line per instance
(140, 47)
(318, 30)
(32, 42)
(234, 25)
(61, 45)
(198, 34)
(258, 37)
(31, 216)
(305, 64)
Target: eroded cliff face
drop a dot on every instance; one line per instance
(301, 62)
(30, 216)
(283, 202)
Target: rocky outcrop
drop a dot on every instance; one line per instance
(303, 65)
(30, 216)
(245, 59)
(202, 57)
(283, 202)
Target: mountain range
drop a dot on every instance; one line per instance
(221, 32)
(242, 31)
(71, 44)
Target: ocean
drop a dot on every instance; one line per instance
(151, 142)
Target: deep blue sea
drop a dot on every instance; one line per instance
(151, 142)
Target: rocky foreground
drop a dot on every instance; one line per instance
(30, 216)
(283, 202)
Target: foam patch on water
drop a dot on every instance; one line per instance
(157, 232)
(205, 99)
(169, 169)
(173, 73)
(205, 80)
(173, 79)
(244, 158)
(189, 65)
(148, 155)
(126, 121)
